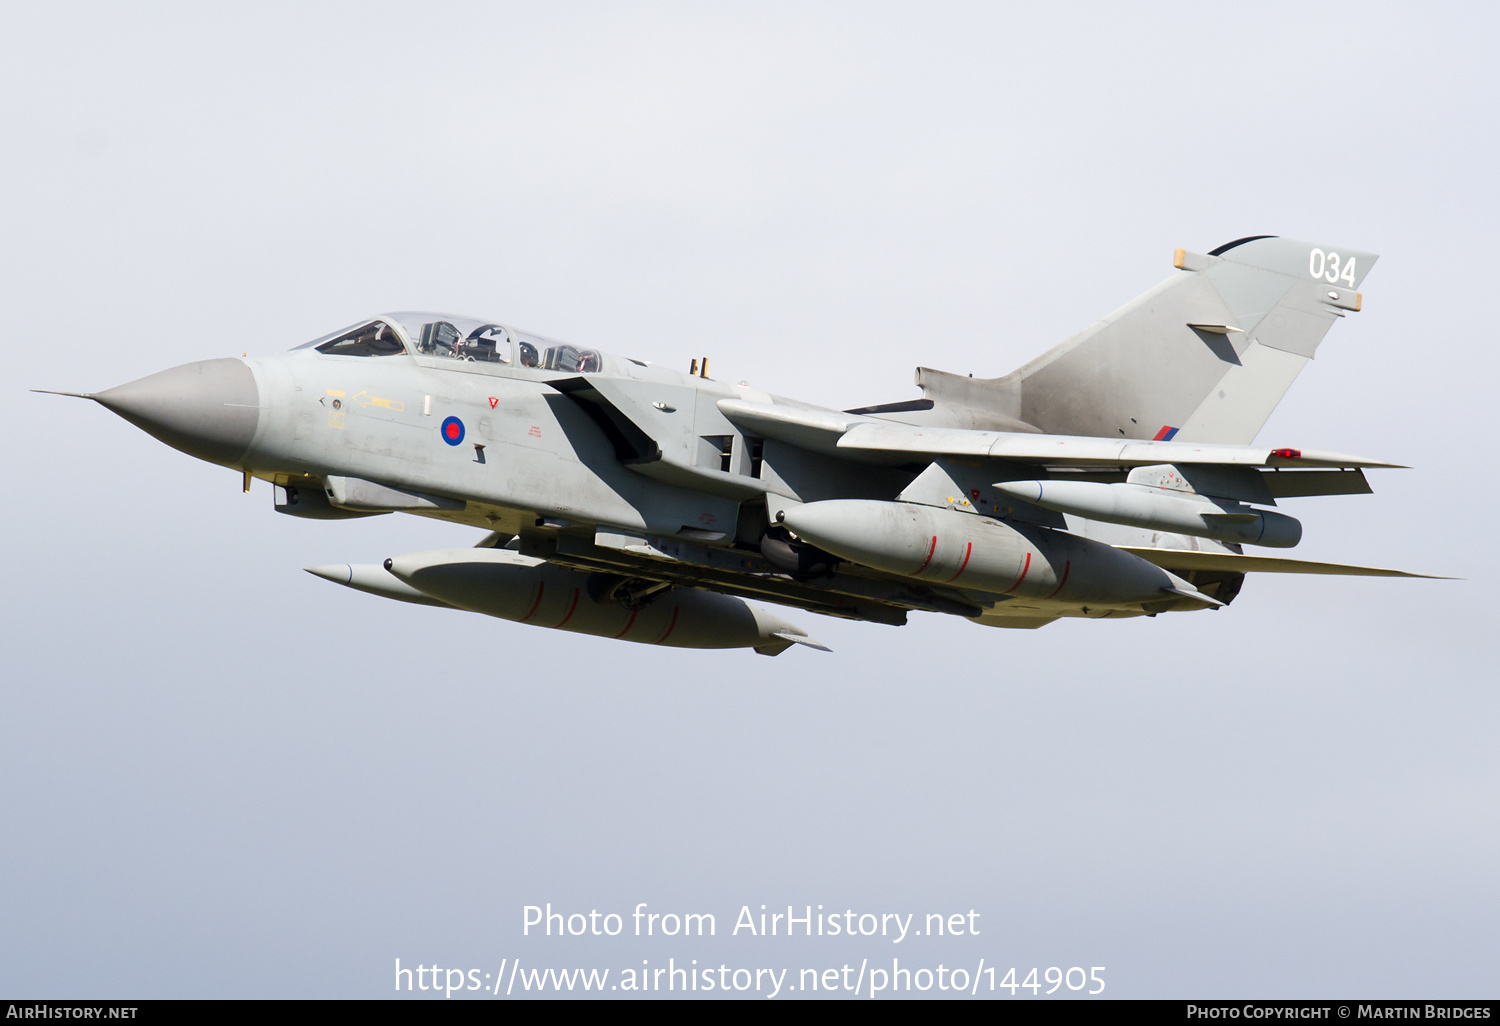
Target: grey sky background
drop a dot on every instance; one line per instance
(220, 776)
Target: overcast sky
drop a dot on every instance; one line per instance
(220, 776)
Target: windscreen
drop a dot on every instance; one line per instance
(372, 338)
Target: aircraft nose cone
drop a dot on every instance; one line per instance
(209, 409)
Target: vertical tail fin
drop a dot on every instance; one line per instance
(1204, 356)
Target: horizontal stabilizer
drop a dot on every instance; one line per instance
(1185, 559)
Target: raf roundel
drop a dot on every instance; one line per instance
(452, 430)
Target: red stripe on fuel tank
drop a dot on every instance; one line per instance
(628, 623)
(541, 589)
(670, 627)
(1066, 567)
(571, 610)
(968, 551)
(930, 550)
(1024, 570)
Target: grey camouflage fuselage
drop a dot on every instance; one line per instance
(1113, 476)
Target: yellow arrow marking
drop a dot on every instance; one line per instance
(366, 399)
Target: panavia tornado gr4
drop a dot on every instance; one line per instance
(1113, 476)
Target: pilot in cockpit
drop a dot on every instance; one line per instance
(439, 338)
(487, 343)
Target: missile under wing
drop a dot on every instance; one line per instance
(1116, 475)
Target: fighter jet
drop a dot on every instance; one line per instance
(1113, 476)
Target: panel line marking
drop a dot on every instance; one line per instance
(968, 551)
(931, 549)
(571, 609)
(1024, 571)
(1066, 567)
(670, 627)
(541, 589)
(628, 623)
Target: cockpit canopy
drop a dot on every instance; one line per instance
(451, 337)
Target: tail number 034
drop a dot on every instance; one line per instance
(1325, 267)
